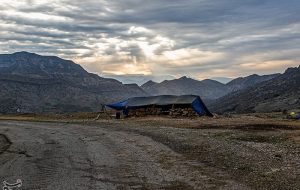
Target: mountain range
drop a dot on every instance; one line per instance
(31, 83)
(207, 89)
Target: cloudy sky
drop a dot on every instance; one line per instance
(158, 39)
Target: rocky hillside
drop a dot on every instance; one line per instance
(34, 83)
(278, 94)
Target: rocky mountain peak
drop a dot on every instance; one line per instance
(148, 84)
(183, 78)
(24, 53)
(293, 69)
(25, 63)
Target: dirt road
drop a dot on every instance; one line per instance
(110, 156)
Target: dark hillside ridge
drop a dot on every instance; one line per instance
(31, 83)
(277, 94)
(245, 82)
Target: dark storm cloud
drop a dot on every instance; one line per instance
(171, 37)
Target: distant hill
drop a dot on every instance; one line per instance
(223, 80)
(245, 82)
(207, 89)
(34, 83)
(148, 85)
(277, 94)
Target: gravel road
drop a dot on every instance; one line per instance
(105, 156)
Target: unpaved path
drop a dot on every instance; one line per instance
(124, 155)
(70, 156)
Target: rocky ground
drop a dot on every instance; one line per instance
(152, 153)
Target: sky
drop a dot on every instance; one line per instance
(139, 40)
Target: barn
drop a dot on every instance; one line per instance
(186, 105)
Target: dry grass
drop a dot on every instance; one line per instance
(238, 121)
(250, 121)
(74, 117)
(261, 152)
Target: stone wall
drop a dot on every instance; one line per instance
(175, 112)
